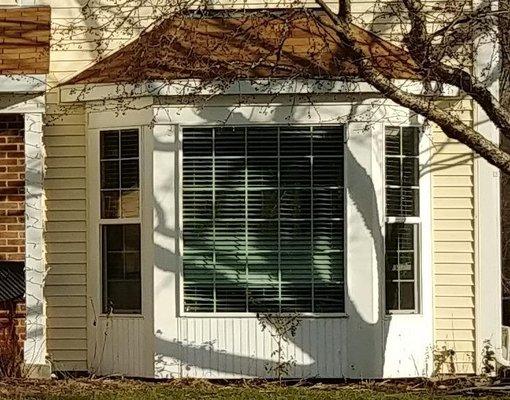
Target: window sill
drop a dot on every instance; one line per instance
(254, 315)
(402, 314)
(137, 316)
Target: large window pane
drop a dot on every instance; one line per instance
(263, 219)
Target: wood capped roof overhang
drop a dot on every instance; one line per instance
(292, 43)
(25, 40)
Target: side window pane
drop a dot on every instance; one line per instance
(129, 144)
(109, 145)
(401, 267)
(120, 174)
(402, 171)
(121, 268)
(110, 204)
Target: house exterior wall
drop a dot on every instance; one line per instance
(454, 249)
(66, 228)
(25, 36)
(64, 183)
(12, 188)
(12, 227)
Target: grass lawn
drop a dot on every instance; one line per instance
(82, 389)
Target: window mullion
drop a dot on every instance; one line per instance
(416, 266)
(401, 181)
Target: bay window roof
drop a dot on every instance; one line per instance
(291, 43)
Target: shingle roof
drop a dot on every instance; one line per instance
(250, 44)
(12, 281)
(25, 40)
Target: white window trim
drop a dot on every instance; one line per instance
(424, 240)
(179, 168)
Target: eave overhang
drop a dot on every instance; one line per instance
(179, 88)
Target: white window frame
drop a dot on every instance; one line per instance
(424, 189)
(179, 168)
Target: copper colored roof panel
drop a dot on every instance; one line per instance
(253, 44)
(25, 40)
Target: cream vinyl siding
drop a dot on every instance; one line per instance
(65, 237)
(65, 233)
(453, 244)
(65, 186)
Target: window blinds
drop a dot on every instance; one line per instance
(263, 219)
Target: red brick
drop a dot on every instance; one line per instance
(12, 199)
(12, 325)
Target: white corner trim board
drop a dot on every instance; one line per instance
(487, 208)
(35, 343)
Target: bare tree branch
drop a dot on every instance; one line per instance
(420, 46)
(452, 126)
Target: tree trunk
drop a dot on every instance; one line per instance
(504, 29)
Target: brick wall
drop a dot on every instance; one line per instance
(12, 337)
(12, 320)
(12, 188)
(12, 233)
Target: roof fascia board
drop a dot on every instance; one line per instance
(98, 92)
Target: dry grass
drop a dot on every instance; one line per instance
(118, 389)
